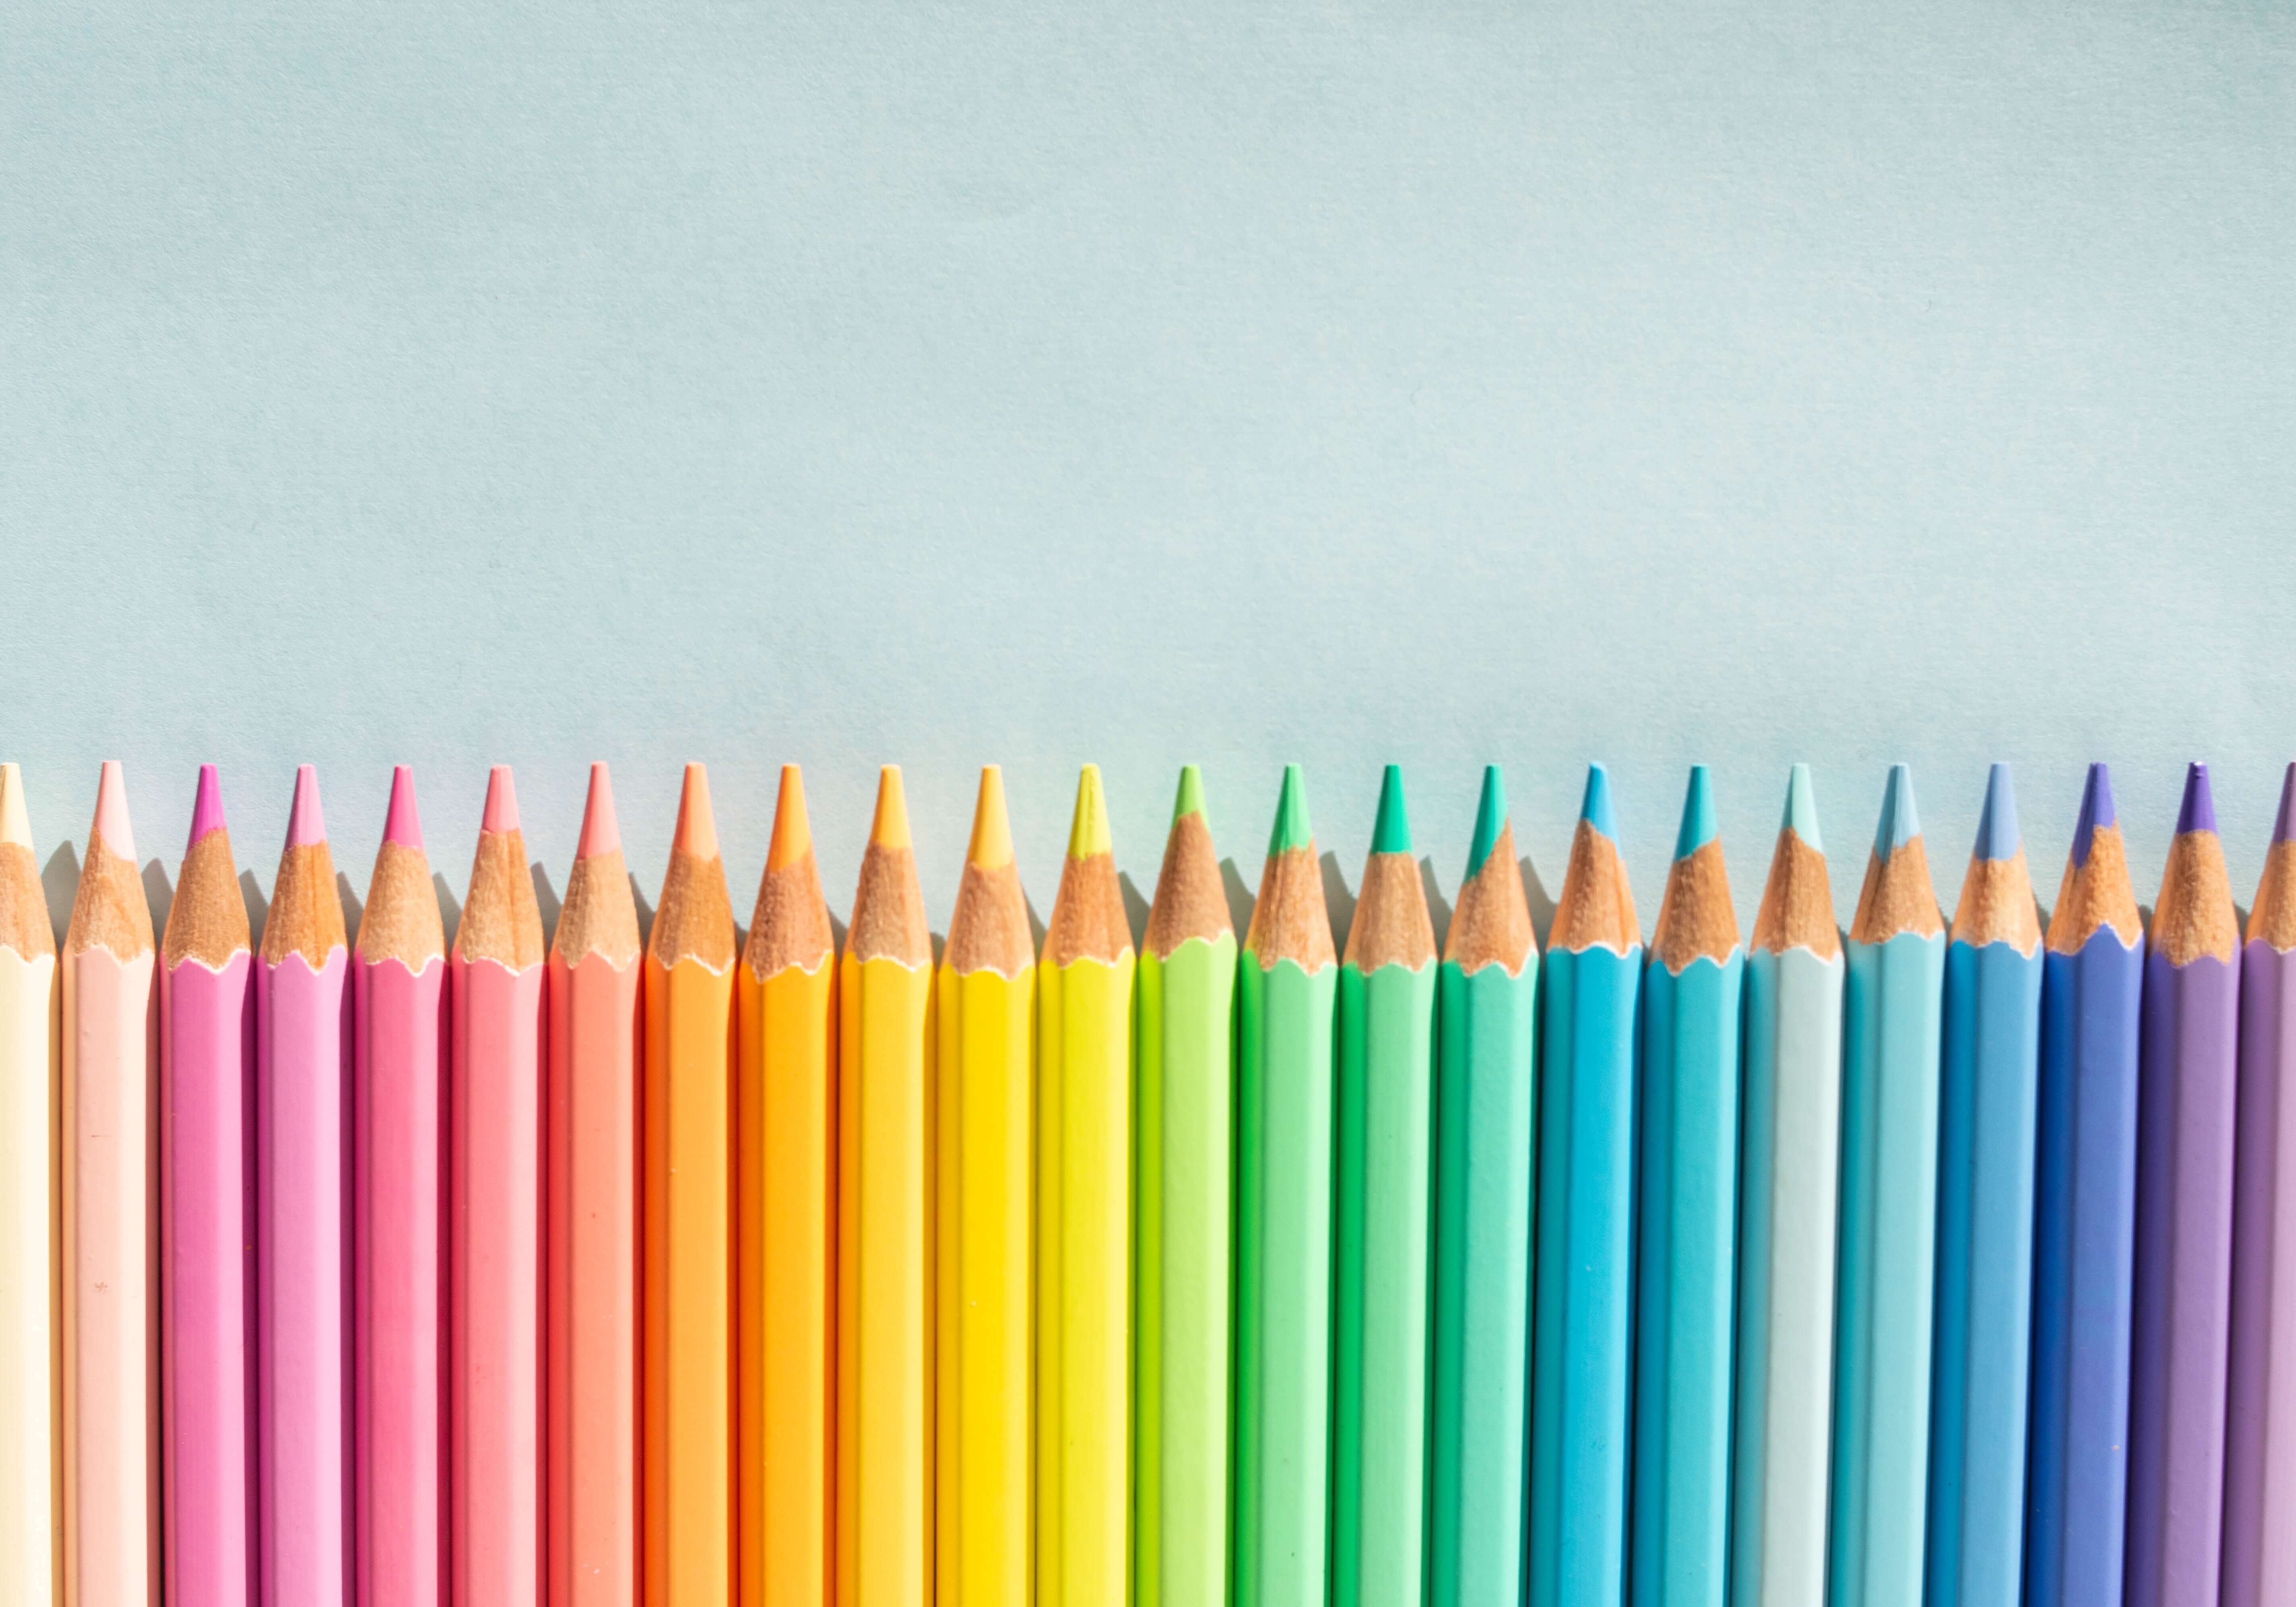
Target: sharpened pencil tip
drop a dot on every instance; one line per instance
(888, 828)
(992, 827)
(15, 825)
(1088, 830)
(2198, 812)
(207, 805)
(697, 822)
(112, 811)
(601, 833)
(2283, 828)
(1490, 820)
(2096, 811)
(1190, 798)
(1595, 808)
(1997, 837)
(1801, 807)
(1391, 833)
(1899, 824)
(501, 814)
(792, 838)
(306, 822)
(1698, 825)
(403, 825)
(1292, 828)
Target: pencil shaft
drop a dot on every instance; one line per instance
(29, 1099)
(2259, 1558)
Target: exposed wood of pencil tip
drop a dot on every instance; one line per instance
(206, 921)
(599, 916)
(789, 926)
(2272, 918)
(889, 910)
(1289, 921)
(2095, 895)
(1089, 920)
(1391, 926)
(401, 920)
(501, 919)
(1996, 904)
(695, 918)
(1190, 902)
(1797, 908)
(109, 911)
(24, 925)
(1896, 896)
(306, 916)
(1597, 908)
(1491, 926)
(989, 929)
(2194, 917)
(1696, 921)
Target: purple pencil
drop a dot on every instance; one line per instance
(2260, 1537)
(2187, 1087)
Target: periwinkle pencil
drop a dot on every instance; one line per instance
(1789, 1170)
(1582, 1302)
(30, 1045)
(885, 1196)
(591, 1264)
(2084, 1221)
(1487, 1096)
(2187, 1103)
(687, 1343)
(302, 1174)
(784, 1227)
(1084, 1217)
(1385, 1166)
(2259, 1539)
(1688, 1238)
(1286, 1014)
(399, 977)
(1989, 1109)
(1183, 1269)
(207, 1063)
(495, 1378)
(110, 1037)
(986, 1061)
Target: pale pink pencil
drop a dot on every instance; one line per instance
(398, 1390)
(495, 1222)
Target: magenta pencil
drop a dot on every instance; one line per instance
(494, 1223)
(302, 1052)
(398, 1390)
(206, 1186)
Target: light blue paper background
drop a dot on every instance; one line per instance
(1054, 382)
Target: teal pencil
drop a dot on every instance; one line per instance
(1386, 1163)
(1890, 1032)
(1584, 1262)
(1687, 1225)
(1487, 1094)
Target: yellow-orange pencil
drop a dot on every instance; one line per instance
(784, 1183)
(884, 1506)
(688, 1349)
(1083, 1225)
(986, 1001)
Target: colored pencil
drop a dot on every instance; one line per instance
(687, 1345)
(303, 1173)
(1988, 1115)
(784, 1226)
(2188, 1086)
(987, 1059)
(1687, 1244)
(1892, 1023)
(2084, 1215)
(1286, 1075)
(1184, 1168)
(1385, 1177)
(885, 1192)
(207, 1063)
(1084, 1215)
(2260, 1454)
(398, 1192)
(1789, 1159)
(494, 1219)
(30, 1525)
(1486, 1102)
(592, 1269)
(1583, 1286)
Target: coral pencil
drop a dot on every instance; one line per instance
(591, 1273)
(30, 1525)
(2185, 1158)
(302, 1181)
(1186, 1092)
(987, 1061)
(1789, 1165)
(784, 1232)
(1687, 1244)
(1084, 1215)
(1286, 1074)
(1585, 1252)
(110, 1037)
(2259, 1543)
(1486, 1100)
(494, 1223)
(398, 1192)
(207, 1065)
(1385, 1177)
(687, 1345)
(885, 1192)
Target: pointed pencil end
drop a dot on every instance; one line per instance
(1490, 820)
(992, 829)
(888, 828)
(1595, 808)
(1391, 830)
(502, 802)
(1088, 830)
(207, 805)
(2198, 813)
(2096, 809)
(403, 825)
(697, 824)
(306, 822)
(792, 838)
(15, 825)
(1997, 837)
(112, 811)
(1801, 807)
(1292, 830)
(1698, 825)
(1899, 824)
(2284, 827)
(1190, 798)
(601, 833)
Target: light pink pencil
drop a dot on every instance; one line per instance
(495, 1222)
(398, 1391)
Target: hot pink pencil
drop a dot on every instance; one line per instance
(302, 1051)
(398, 1192)
(207, 1065)
(495, 1222)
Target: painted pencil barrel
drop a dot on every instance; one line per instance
(2260, 1536)
(30, 1524)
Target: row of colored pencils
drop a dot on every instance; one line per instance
(1944, 1264)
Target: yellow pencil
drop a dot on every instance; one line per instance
(688, 1403)
(1083, 1225)
(987, 999)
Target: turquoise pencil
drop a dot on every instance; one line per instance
(1687, 1225)
(1584, 1287)
(1890, 1032)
